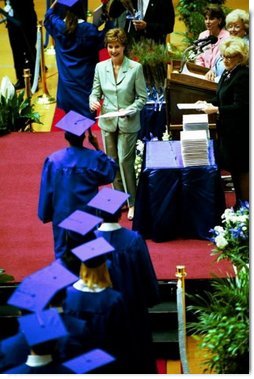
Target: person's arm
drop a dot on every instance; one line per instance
(96, 94)
(140, 89)
(161, 23)
(45, 206)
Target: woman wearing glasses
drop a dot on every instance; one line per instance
(231, 104)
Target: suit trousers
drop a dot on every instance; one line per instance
(122, 148)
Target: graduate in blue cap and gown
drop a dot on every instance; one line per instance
(77, 43)
(132, 274)
(93, 299)
(41, 331)
(71, 177)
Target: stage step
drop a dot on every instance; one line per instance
(164, 323)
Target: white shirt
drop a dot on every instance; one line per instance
(38, 360)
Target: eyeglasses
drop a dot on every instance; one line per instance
(229, 57)
(236, 27)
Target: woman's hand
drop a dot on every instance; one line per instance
(95, 105)
(210, 75)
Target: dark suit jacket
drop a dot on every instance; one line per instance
(232, 98)
(159, 16)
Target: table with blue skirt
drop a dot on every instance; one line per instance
(174, 201)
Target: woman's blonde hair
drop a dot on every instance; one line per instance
(96, 276)
(116, 35)
(238, 15)
(235, 45)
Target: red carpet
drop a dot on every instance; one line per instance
(26, 244)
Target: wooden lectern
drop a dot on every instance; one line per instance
(182, 88)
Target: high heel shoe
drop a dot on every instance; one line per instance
(131, 213)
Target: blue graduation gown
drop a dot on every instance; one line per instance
(13, 351)
(105, 313)
(70, 178)
(133, 275)
(76, 58)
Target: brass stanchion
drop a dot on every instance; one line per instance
(45, 98)
(27, 79)
(181, 310)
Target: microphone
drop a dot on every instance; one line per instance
(210, 39)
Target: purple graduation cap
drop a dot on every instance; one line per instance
(42, 326)
(36, 290)
(108, 200)
(68, 3)
(92, 253)
(80, 222)
(89, 361)
(75, 123)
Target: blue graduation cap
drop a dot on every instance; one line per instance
(75, 123)
(42, 327)
(36, 290)
(108, 200)
(80, 222)
(68, 3)
(89, 361)
(93, 252)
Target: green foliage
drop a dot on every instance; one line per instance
(4, 278)
(154, 58)
(223, 314)
(232, 238)
(223, 325)
(16, 113)
(191, 13)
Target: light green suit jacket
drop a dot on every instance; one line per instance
(127, 92)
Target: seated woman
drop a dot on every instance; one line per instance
(215, 23)
(237, 23)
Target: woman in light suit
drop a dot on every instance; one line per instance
(120, 83)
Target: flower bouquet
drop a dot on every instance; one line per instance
(232, 238)
(16, 112)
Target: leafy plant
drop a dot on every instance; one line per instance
(4, 278)
(154, 58)
(222, 325)
(191, 13)
(16, 112)
(222, 315)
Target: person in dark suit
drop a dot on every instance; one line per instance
(232, 107)
(120, 82)
(156, 20)
(22, 31)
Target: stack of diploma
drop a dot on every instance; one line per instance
(196, 122)
(194, 148)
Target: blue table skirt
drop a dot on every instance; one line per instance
(175, 201)
(153, 121)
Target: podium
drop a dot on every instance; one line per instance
(182, 88)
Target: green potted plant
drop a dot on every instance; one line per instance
(154, 58)
(222, 315)
(16, 112)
